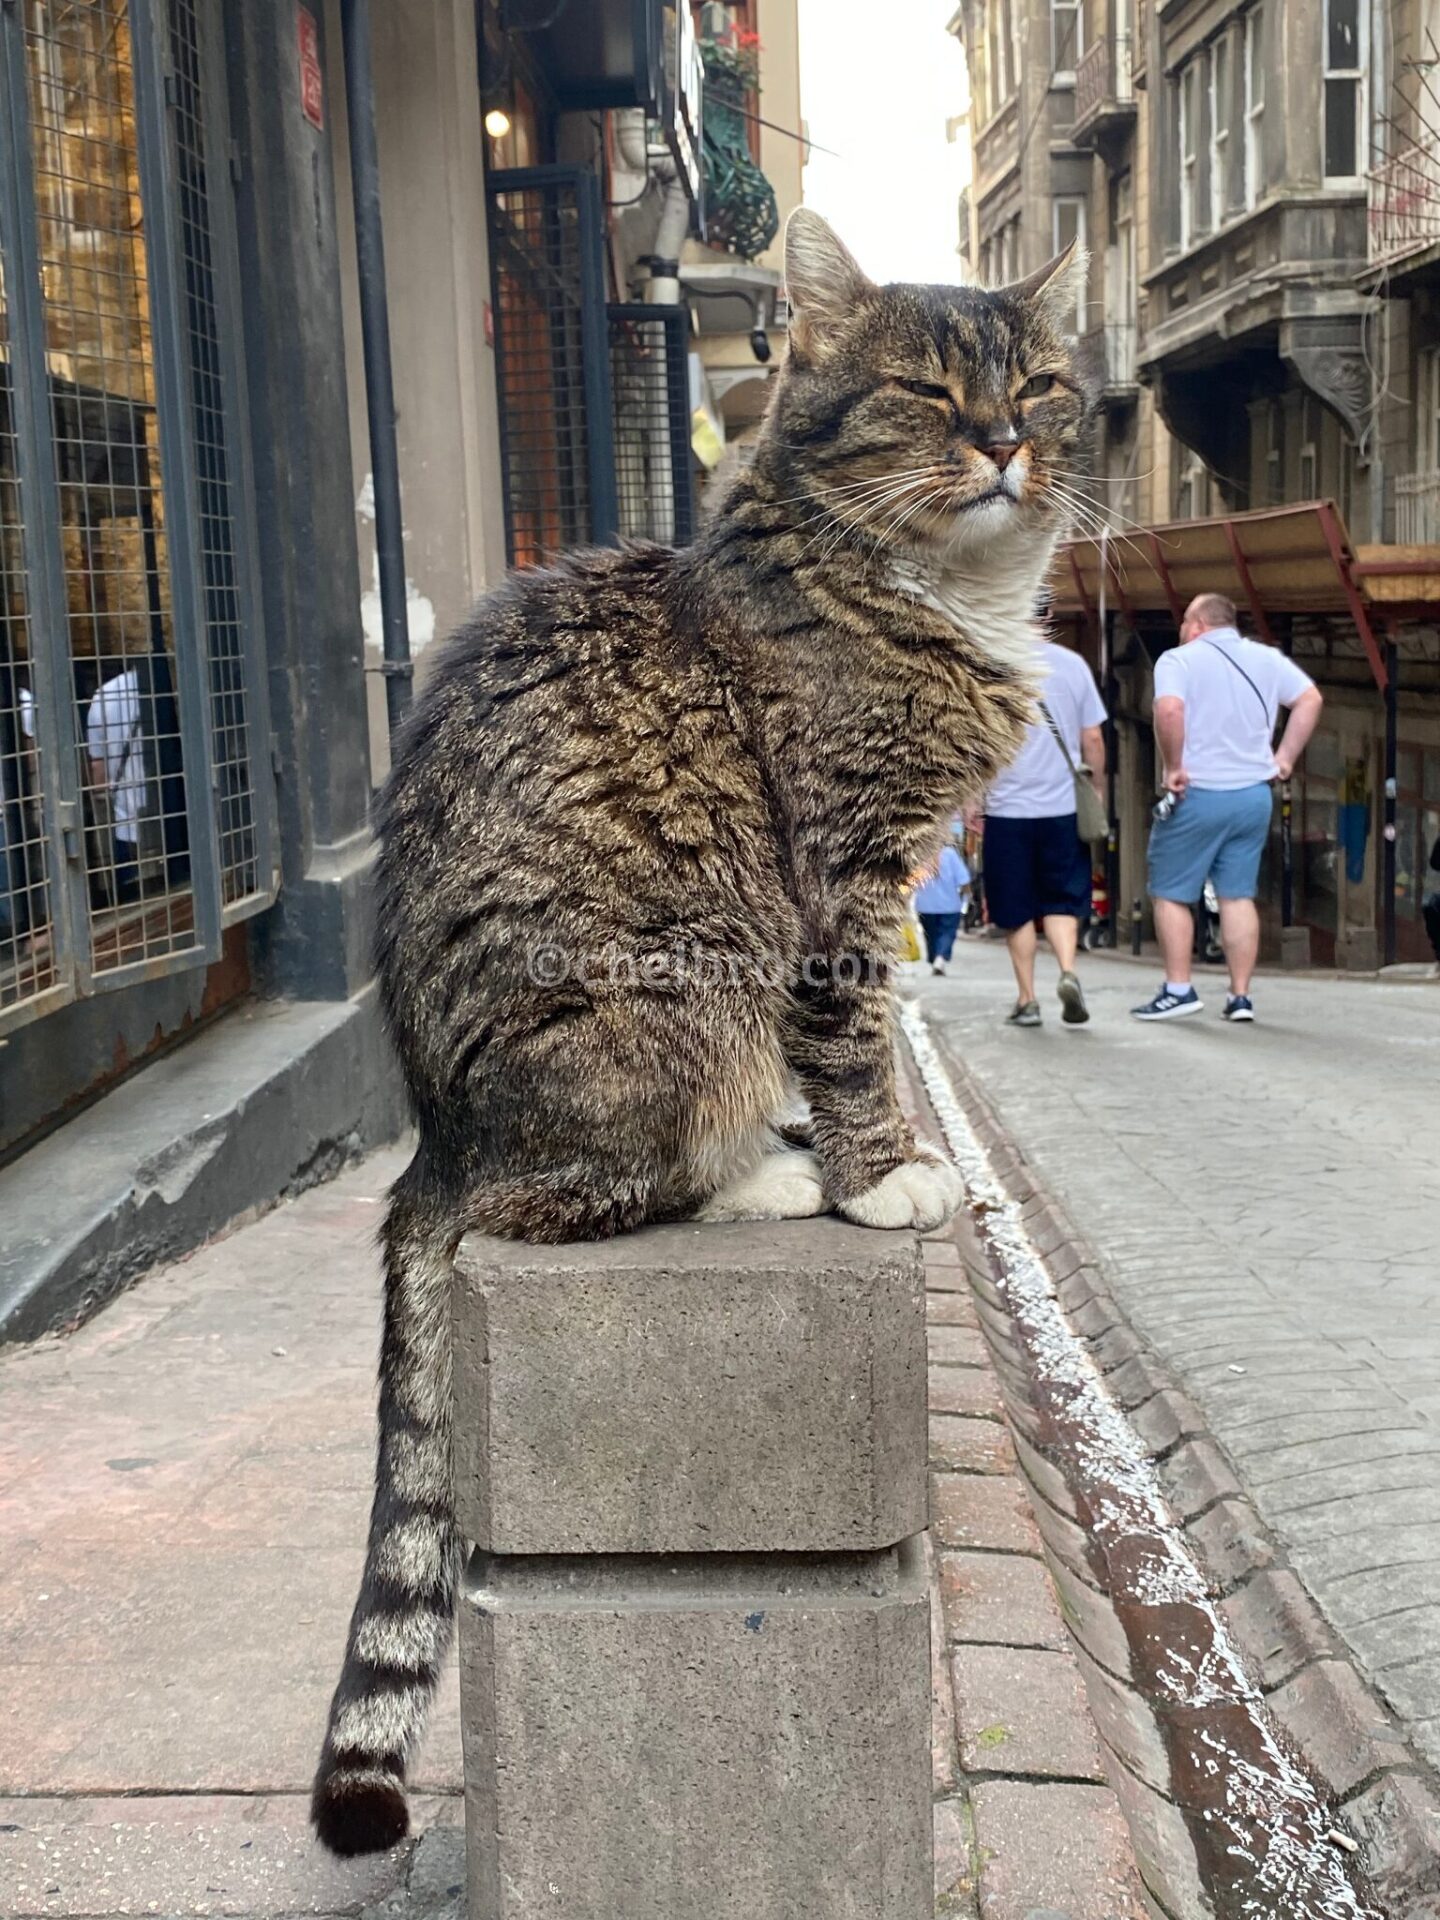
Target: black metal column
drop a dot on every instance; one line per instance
(1392, 769)
(375, 339)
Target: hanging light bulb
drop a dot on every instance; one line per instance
(497, 123)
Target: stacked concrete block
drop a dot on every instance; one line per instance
(694, 1632)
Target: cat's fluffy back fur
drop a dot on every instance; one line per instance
(574, 788)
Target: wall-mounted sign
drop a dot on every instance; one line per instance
(312, 78)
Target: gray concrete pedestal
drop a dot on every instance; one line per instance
(694, 1630)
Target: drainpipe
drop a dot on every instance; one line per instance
(375, 338)
(674, 225)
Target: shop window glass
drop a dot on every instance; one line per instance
(99, 353)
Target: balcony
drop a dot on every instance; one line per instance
(1403, 205)
(1417, 508)
(1104, 91)
(1111, 350)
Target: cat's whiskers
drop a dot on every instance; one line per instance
(1099, 507)
(1094, 513)
(839, 525)
(848, 486)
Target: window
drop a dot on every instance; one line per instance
(1274, 453)
(1220, 110)
(1193, 208)
(1349, 478)
(1254, 54)
(1066, 42)
(131, 529)
(1344, 88)
(1007, 252)
(980, 76)
(1427, 410)
(1192, 493)
(1068, 223)
(1000, 53)
(1310, 429)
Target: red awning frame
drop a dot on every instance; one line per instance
(1141, 570)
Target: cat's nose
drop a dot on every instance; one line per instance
(1002, 452)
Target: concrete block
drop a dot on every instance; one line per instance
(1294, 948)
(1357, 950)
(692, 1389)
(684, 1738)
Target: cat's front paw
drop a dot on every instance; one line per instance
(923, 1193)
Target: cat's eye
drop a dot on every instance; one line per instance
(927, 390)
(1037, 386)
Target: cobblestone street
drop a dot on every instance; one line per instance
(1263, 1203)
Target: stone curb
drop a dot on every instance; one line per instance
(1343, 1733)
(1026, 1822)
(273, 1098)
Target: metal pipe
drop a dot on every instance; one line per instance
(397, 666)
(1392, 771)
(1287, 812)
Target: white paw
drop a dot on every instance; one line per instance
(922, 1193)
(785, 1186)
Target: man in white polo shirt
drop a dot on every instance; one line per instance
(1217, 698)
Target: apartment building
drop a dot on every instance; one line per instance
(1262, 215)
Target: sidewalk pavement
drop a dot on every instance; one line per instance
(184, 1486)
(1263, 1202)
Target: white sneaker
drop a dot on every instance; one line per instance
(937, 966)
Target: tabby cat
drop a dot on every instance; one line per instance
(643, 852)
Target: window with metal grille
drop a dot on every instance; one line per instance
(552, 365)
(131, 820)
(650, 381)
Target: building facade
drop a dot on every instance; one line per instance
(211, 584)
(1254, 197)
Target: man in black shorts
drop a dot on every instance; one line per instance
(1036, 865)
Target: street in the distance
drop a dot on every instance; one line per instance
(1273, 1239)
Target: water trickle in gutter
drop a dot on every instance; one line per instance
(1266, 1844)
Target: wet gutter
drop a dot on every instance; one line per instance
(1266, 1841)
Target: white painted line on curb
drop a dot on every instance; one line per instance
(1280, 1830)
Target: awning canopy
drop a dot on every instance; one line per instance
(1275, 560)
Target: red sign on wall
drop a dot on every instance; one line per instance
(312, 80)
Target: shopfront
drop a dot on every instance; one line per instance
(137, 815)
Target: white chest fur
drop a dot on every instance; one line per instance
(992, 605)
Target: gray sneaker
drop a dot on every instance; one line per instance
(1026, 1014)
(1072, 1001)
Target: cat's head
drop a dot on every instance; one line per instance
(935, 419)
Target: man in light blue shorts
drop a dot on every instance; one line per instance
(1217, 698)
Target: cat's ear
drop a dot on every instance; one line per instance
(823, 281)
(1058, 288)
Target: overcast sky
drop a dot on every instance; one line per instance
(878, 83)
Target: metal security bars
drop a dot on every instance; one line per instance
(551, 360)
(234, 688)
(650, 382)
(131, 730)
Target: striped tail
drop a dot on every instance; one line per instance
(401, 1625)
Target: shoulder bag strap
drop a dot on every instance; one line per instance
(1058, 738)
(1264, 705)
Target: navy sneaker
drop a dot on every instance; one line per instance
(1238, 1007)
(1169, 1006)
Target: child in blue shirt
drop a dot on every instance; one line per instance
(939, 903)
